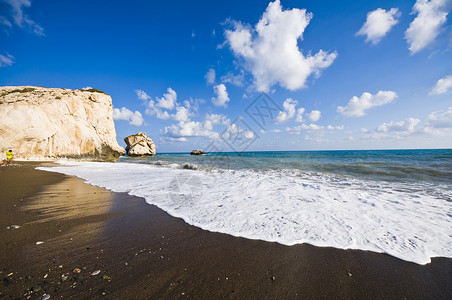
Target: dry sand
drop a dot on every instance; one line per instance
(143, 253)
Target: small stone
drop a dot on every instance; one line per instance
(13, 227)
(349, 274)
(273, 278)
(60, 266)
(39, 243)
(64, 277)
(45, 276)
(76, 271)
(105, 277)
(36, 288)
(95, 273)
(45, 297)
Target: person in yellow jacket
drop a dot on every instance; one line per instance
(9, 157)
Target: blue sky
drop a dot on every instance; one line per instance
(246, 75)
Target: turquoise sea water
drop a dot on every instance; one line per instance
(411, 166)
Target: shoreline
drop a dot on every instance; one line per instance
(142, 252)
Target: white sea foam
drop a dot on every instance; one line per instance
(288, 208)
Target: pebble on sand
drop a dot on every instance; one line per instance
(45, 297)
(95, 273)
(39, 243)
(13, 227)
(76, 271)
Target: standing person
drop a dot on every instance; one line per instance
(9, 157)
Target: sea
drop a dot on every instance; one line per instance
(397, 202)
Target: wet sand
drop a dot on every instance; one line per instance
(143, 253)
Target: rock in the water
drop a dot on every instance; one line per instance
(45, 123)
(197, 152)
(139, 145)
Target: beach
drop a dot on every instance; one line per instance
(142, 252)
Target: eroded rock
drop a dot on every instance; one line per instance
(45, 123)
(139, 145)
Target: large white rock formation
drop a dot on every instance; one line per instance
(45, 123)
(139, 145)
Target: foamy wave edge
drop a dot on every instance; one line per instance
(286, 210)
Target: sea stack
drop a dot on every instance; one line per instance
(139, 145)
(46, 123)
(197, 152)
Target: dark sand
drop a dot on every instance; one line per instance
(143, 253)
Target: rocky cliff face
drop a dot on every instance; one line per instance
(42, 123)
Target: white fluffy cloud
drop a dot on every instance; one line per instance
(431, 15)
(182, 114)
(406, 126)
(237, 80)
(357, 107)
(393, 130)
(314, 115)
(19, 17)
(270, 50)
(162, 107)
(306, 127)
(378, 23)
(442, 86)
(299, 116)
(189, 129)
(289, 111)
(312, 128)
(6, 61)
(168, 101)
(214, 119)
(234, 131)
(440, 119)
(210, 76)
(134, 118)
(142, 95)
(222, 97)
(438, 123)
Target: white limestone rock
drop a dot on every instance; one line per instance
(46, 123)
(139, 145)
